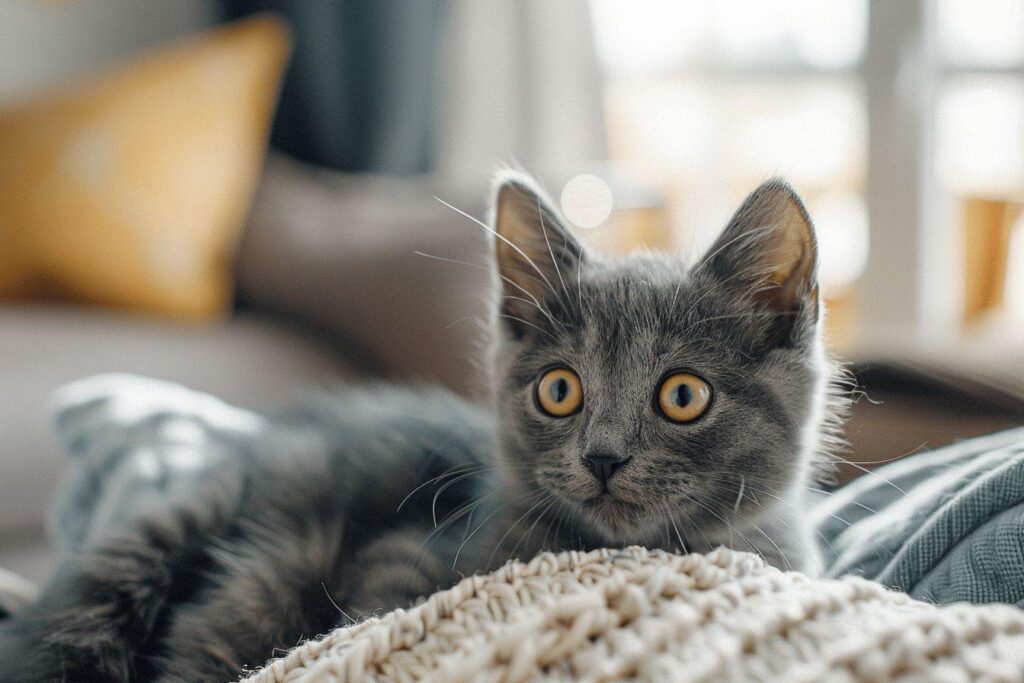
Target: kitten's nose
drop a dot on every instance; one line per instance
(603, 464)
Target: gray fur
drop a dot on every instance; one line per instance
(365, 500)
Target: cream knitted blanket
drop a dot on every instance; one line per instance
(649, 615)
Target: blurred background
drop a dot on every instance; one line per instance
(239, 195)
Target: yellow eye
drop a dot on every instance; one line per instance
(683, 397)
(559, 392)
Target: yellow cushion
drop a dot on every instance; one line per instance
(131, 189)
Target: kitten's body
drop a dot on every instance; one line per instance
(331, 514)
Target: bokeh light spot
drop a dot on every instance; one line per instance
(587, 201)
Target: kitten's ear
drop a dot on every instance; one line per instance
(535, 253)
(769, 249)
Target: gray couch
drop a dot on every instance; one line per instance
(331, 290)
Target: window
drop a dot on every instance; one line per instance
(980, 128)
(877, 111)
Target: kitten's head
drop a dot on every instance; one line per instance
(639, 389)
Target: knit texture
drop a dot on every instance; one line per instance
(637, 613)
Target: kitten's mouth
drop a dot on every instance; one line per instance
(606, 507)
(607, 511)
(609, 507)
(613, 517)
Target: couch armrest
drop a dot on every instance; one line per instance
(245, 360)
(339, 252)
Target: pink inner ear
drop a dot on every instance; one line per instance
(510, 221)
(544, 253)
(790, 259)
(518, 220)
(793, 252)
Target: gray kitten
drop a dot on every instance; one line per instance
(698, 400)
(637, 401)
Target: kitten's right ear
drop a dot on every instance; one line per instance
(535, 253)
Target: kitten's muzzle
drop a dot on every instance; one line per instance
(603, 465)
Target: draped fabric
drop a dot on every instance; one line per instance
(944, 525)
(450, 87)
(359, 94)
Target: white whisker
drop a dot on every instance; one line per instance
(515, 284)
(675, 528)
(503, 239)
(551, 253)
(331, 599)
(739, 496)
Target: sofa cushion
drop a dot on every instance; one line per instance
(343, 252)
(131, 189)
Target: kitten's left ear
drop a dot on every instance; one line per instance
(535, 253)
(769, 249)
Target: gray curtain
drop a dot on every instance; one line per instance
(359, 94)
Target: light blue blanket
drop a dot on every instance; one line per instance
(944, 525)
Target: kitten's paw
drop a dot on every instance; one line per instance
(394, 571)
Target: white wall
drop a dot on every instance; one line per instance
(44, 42)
